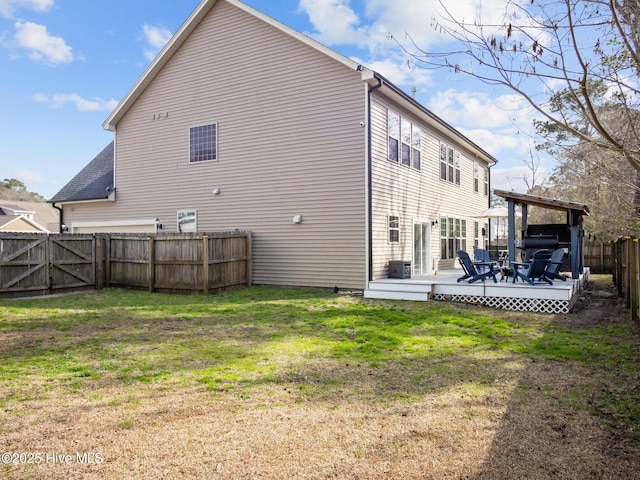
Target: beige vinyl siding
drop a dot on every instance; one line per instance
(289, 143)
(415, 195)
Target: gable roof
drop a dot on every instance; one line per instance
(374, 79)
(43, 215)
(94, 182)
(19, 223)
(6, 209)
(176, 41)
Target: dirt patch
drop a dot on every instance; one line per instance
(598, 304)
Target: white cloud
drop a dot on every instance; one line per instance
(156, 38)
(81, 104)
(8, 7)
(497, 142)
(513, 178)
(334, 20)
(478, 108)
(43, 46)
(400, 73)
(27, 176)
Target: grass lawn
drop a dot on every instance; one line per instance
(303, 383)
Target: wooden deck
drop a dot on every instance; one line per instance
(557, 298)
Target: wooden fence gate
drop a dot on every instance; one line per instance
(36, 264)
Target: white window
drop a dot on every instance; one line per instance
(416, 144)
(486, 182)
(476, 177)
(453, 236)
(203, 143)
(476, 234)
(449, 164)
(443, 161)
(394, 229)
(406, 142)
(393, 127)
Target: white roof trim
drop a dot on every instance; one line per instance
(183, 33)
(22, 217)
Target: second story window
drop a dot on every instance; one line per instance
(486, 181)
(406, 142)
(203, 143)
(476, 177)
(416, 145)
(449, 164)
(393, 127)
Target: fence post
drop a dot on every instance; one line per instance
(633, 278)
(249, 261)
(47, 262)
(205, 265)
(98, 259)
(152, 264)
(107, 260)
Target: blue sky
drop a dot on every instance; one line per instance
(66, 63)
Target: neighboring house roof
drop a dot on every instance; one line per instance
(367, 75)
(19, 223)
(14, 210)
(43, 215)
(94, 182)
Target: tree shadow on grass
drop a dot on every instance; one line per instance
(553, 426)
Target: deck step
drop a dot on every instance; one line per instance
(422, 287)
(397, 295)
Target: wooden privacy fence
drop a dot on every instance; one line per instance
(177, 262)
(626, 273)
(598, 256)
(38, 264)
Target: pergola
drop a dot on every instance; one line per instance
(575, 212)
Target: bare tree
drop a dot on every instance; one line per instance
(560, 57)
(535, 176)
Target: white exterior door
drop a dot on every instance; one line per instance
(422, 248)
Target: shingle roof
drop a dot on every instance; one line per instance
(43, 213)
(94, 182)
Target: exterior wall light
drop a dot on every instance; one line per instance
(158, 224)
(297, 219)
(216, 191)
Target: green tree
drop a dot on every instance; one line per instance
(12, 189)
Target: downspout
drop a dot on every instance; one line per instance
(489, 206)
(369, 179)
(61, 216)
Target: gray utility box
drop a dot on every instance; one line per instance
(399, 269)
